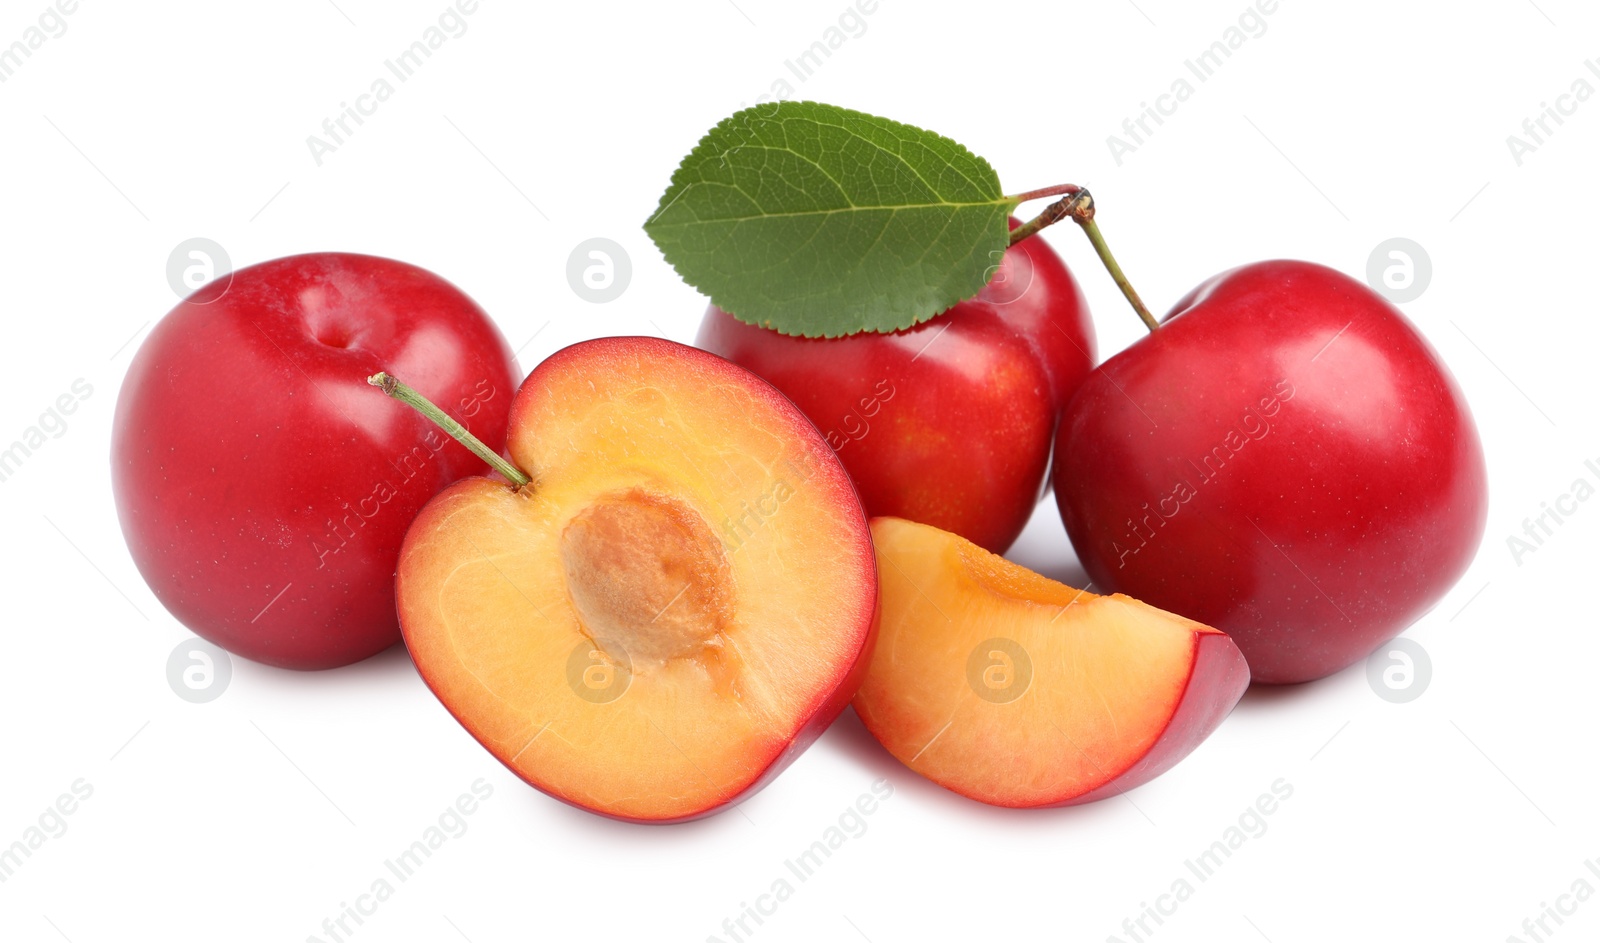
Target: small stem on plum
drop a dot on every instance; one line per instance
(1071, 196)
(394, 389)
(1092, 230)
(1078, 203)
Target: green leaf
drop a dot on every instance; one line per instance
(821, 221)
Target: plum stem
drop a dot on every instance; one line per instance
(1078, 203)
(1060, 189)
(394, 389)
(1092, 230)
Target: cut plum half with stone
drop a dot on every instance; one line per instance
(1013, 689)
(677, 603)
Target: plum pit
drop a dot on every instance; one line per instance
(648, 579)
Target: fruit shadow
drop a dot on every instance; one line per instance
(719, 826)
(1277, 698)
(850, 738)
(1262, 697)
(391, 666)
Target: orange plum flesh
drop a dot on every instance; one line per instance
(681, 600)
(1010, 688)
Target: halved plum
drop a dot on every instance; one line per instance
(677, 604)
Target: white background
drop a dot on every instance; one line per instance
(1453, 817)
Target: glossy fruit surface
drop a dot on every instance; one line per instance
(678, 603)
(263, 487)
(949, 422)
(1287, 459)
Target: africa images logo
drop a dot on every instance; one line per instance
(1254, 425)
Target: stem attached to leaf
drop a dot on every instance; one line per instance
(394, 389)
(1077, 203)
(1060, 189)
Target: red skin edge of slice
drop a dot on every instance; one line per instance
(1216, 682)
